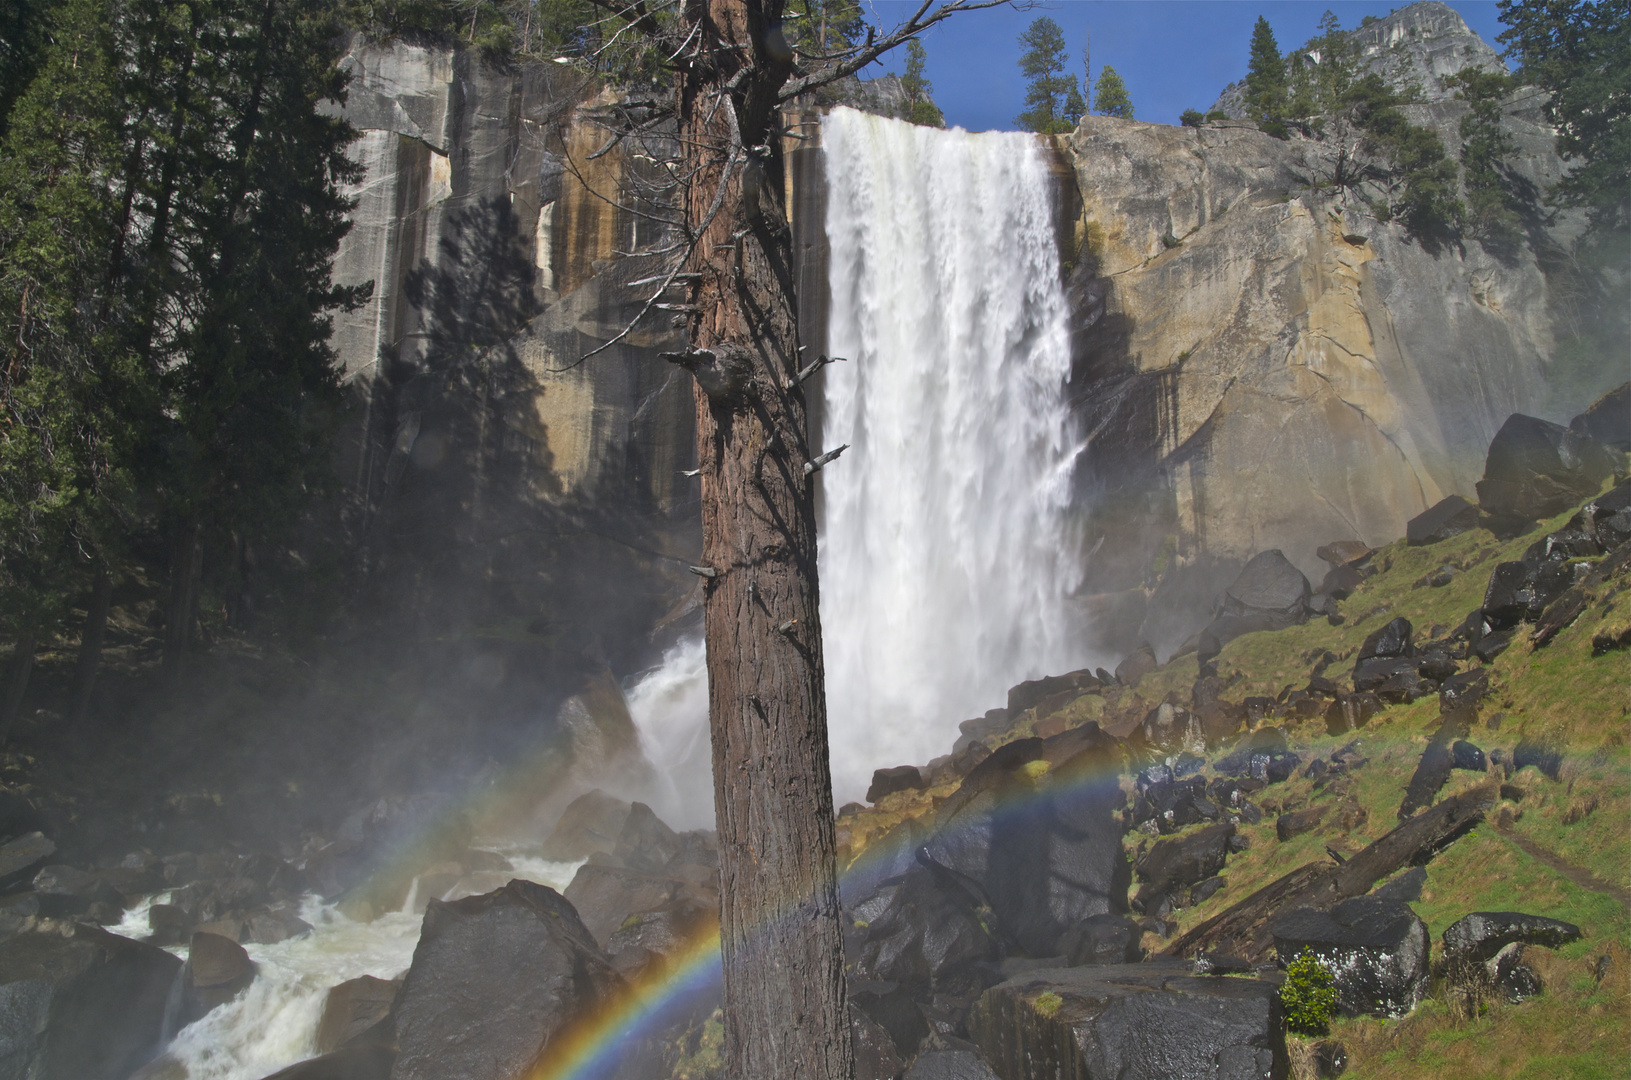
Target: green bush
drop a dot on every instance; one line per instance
(1309, 995)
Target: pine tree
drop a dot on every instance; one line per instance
(1486, 146)
(1266, 81)
(1110, 95)
(921, 108)
(1050, 94)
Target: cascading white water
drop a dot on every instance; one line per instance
(669, 706)
(946, 549)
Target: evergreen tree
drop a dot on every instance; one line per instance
(921, 108)
(23, 26)
(1110, 95)
(1266, 81)
(1580, 51)
(1330, 79)
(1492, 213)
(827, 26)
(1050, 94)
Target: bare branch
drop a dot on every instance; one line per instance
(829, 456)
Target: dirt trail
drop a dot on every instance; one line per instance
(1579, 875)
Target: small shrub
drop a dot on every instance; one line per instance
(1048, 1003)
(1191, 118)
(1309, 995)
(1217, 114)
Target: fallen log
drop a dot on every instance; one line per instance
(1243, 930)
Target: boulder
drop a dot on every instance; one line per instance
(79, 1003)
(20, 855)
(1168, 728)
(1608, 419)
(1463, 691)
(1444, 519)
(1269, 594)
(1376, 948)
(645, 842)
(891, 1007)
(1349, 712)
(1512, 976)
(1100, 940)
(352, 1063)
(1479, 936)
(494, 979)
(608, 895)
(1149, 1021)
(1170, 803)
(1465, 755)
(647, 940)
(592, 822)
(217, 970)
(67, 890)
(930, 935)
(1540, 753)
(949, 1065)
(1031, 693)
(899, 778)
(1392, 639)
(1340, 582)
(876, 1056)
(1294, 824)
(1039, 834)
(1136, 664)
(1536, 469)
(1174, 864)
(1345, 553)
(357, 1013)
(1405, 887)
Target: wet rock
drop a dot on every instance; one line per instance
(930, 936)
(1608, 419)
(1264, 742)
(1403, 687)
(352, 1063)
(494, 979)
(1536, 469)
(1345, 553)
(357, 1013)
(1541, 754)
(217, 970)
(1270, 593)
(1169, 729)
(79, 1003)
(876, 1056)
(1173, 804)
(1463, 690)
(646, 941)
(1349, 712)
(1465, 755)
(609, 895)
(68, 890)
(645, 842)
(1330, 1059)
(891, 1007)
(1446, 518)
(272, 925)
(1389, 640)
(1294, 824)
(1516, 980)
(889, 781)
(1136, 664)
(1376, 948)
(949, 1065)
(1492, 645)
(1043, 843)
(1102, 939)
(1132, 1022)
(19, 856)
(1029, 694)
(1177, 863)
(1405, 887)
(592, 822)
(1480, 936)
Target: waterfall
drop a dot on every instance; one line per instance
(947, 553)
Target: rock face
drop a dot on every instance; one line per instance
(1131, 1022)
(78, 1003)
(1265, 368)
(1376, 948)
(494, 978)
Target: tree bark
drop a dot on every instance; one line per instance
(90, 648)
(17, 675)
(785, 1011)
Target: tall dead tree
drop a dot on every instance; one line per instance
(731, 282)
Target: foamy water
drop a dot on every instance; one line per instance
(669, 706)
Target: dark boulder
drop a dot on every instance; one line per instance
(1173, 804)
(494, 979)
(1479, 936)
(1349, 712)
(1608, 419)
(79, 1003)
(891, 1007)
(1294, 824)
(1029, 694)
(217, 970)
(646, 941)
(1269, 594)
(876, 1056)
(645, 842)
(1444, 519)
(20, 855)
(1149, 1021)
(1467, 756)
(1536, 469)
(930, 936)
(1392, 639)
(1174, 864)
(1168, 728)
(1354, 553)
(609, 895)
(1136, 664)
(1405, 887)
(1541, 754)
(352, 1063)
(1403, 687)
(1265, 741)
(1043, 843)
(1512, 975)
(66, 890)
(949, 1065)
(1464, 690)
(1491, 645)
(1376, 948)
(357, 1012)
(889, 781)
(592, 822)
(1102, 939)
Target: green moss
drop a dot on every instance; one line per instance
(1047, 1003)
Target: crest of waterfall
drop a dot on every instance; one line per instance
(947, 552)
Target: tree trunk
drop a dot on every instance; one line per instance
(90, 648)
(17, 673)
(186, 566)
(785, 1010)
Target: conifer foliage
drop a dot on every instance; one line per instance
(1053, 101)
(1110, 95)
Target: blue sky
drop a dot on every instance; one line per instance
(1172, 54)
